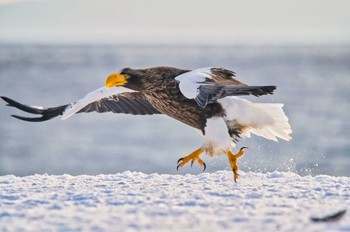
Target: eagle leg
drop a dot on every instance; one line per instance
(194, 156)
(233, 159)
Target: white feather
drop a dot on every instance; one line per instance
(263, 119)
(216, 138)
(96, 95)
(189, 82)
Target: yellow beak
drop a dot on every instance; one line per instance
(116, 79)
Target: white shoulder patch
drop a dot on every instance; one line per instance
(91, 97)
(189, 82)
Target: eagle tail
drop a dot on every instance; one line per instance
(263, 119)
(46, 113)
(276, 123)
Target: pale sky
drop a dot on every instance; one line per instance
(180, 21)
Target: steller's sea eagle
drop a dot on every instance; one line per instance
(204, 99)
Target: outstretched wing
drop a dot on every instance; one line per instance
(116, 100)
(207, 85)
(128, 103)
(101, 100)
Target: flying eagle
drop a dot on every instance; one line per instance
(204, 99)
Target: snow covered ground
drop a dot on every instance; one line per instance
(134, 201)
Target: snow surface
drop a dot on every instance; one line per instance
(134, 201)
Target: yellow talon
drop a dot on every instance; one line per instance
(194, 156)
(233, 159)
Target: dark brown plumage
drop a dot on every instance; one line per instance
(200, 98)
(163, 93)
(159, 92)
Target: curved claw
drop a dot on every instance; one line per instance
(192, 162)
(205, 166)
(235, 175)
(242, 148)
(177, 168)
(194, 156)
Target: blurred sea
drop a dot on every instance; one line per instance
(313, 83)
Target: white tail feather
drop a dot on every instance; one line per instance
(263, 119)
(279, 128)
